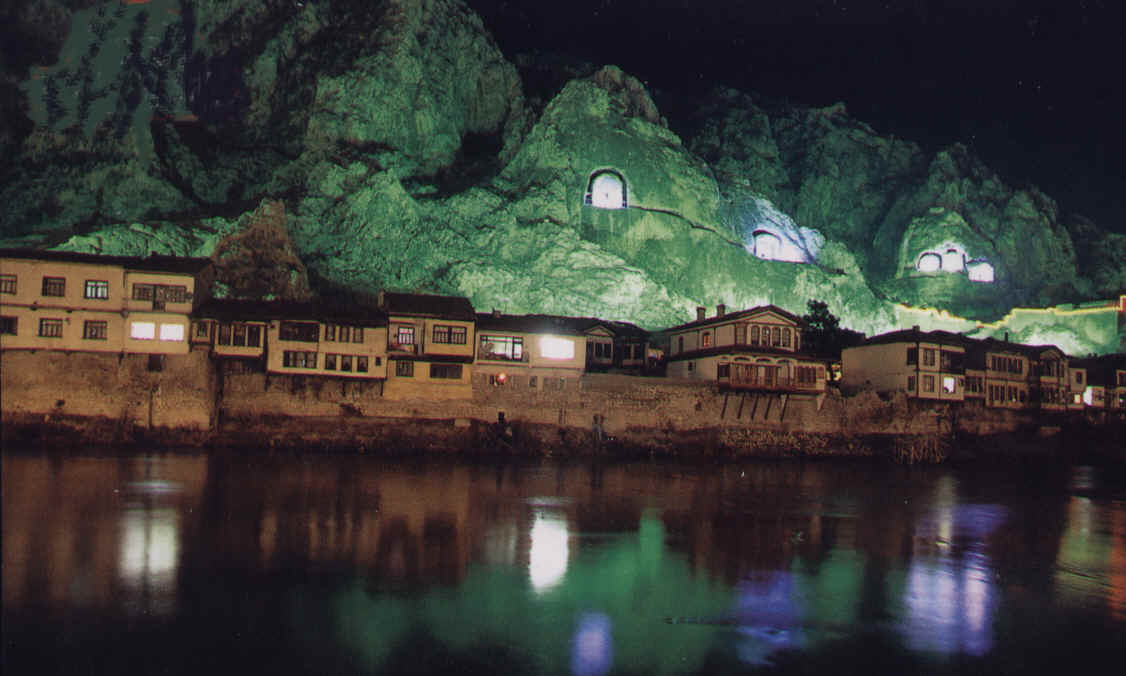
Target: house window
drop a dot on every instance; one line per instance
(723, 371)
(786, 338)
(346, 362)
(755, 335)
(740, 333)
(142, 330)
(405, 335)
(357, 334)
(404, 369)
(531, 382)
(172, 332)
(691, 366)
(445, 371)
(330, 333)
(441, 334)
(8, 326)
(238, 336)
(224, 334)
(362, 364)
(143, 292)
(299, 359)
(928, 356)
(51, 328)
(299, 331)
(948, 384)
(910, 383)
(253, 336)
(928, 383)
(680, 344)
(507, 348)
(454, 335)
(705, 340)
(7, 284)
(202, 330)
(912, 356)
(95, 330)
(97, 289)
(345, 334)
(330, 361)
(457, 335)
(777, 337)
(54, 286)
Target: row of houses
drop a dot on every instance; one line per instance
(431, 346)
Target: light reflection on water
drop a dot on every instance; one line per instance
(554, 568)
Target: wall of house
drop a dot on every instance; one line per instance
(421, 387)
(884, 368)
(374, 347)
(116, 386)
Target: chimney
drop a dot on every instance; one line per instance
(700, 311)
(915, 328)
(496, 312)
(720, 310)
(1006, 336)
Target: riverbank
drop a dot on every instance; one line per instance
(473, 438)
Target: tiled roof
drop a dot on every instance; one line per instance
(152, 263)
(318, 310)
(555, 324)
(915, 335)
(742, 314)
(427, 305)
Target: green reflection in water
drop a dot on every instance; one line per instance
(633, 580)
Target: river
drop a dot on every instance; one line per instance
(188, 563)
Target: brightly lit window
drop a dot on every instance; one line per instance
(948, 385)
(552, 347)
(142, 330)
(171, 331)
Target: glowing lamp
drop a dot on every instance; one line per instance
(553, 347)
(929, 262)
(142, 330)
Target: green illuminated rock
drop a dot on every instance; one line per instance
(397, 137)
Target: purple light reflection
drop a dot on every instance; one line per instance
(950, 598)
(592, 647)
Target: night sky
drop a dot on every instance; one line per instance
(1032, 87)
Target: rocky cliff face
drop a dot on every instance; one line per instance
(395, 139)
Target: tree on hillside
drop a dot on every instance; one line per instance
(823, 335)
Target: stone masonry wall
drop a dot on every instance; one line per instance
(114, 386)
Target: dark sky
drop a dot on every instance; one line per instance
(1033, 87)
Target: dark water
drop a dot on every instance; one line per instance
(189, 564)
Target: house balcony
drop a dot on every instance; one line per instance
(768, 382)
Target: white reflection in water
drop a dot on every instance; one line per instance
(548, 550)
(149, 557)
(950, 601)
(592, 648)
